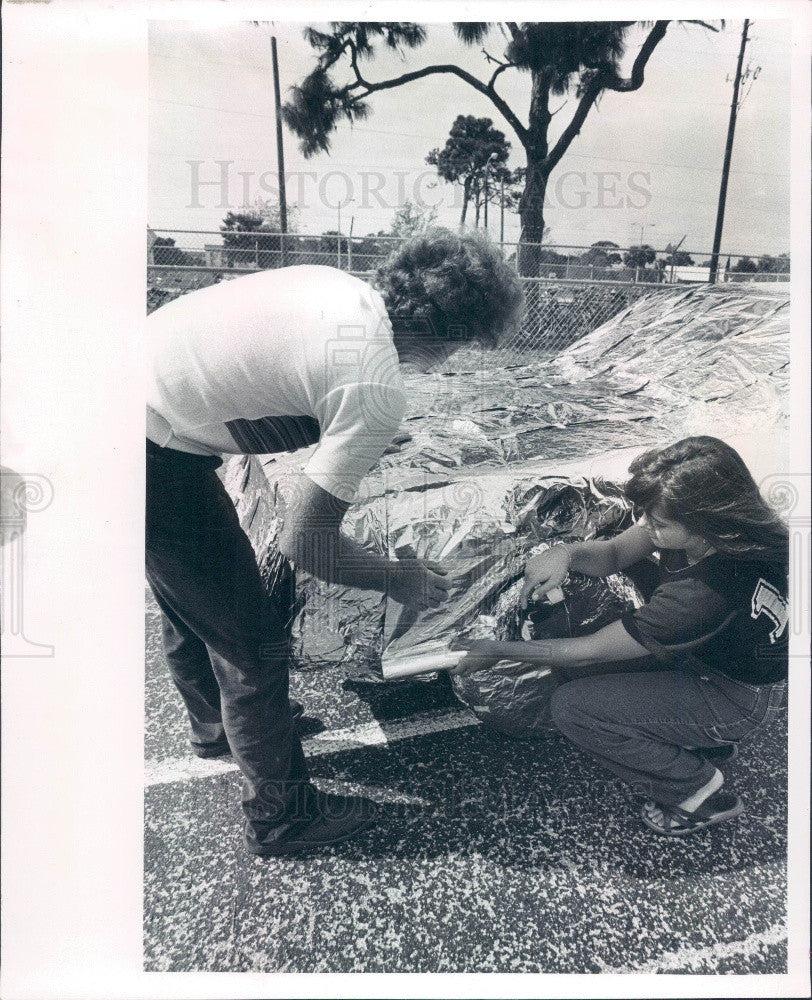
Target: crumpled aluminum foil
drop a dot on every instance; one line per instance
(514, 697)
(327, 624)
(483, 531)
(499, 459)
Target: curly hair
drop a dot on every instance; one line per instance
(703, 484)
(454, 286)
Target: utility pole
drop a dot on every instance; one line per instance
(641, 255)
(644, 225)
(502, 216)
(280, 153)
(674, 254)
(731, 128)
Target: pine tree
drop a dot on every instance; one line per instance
(580, 57)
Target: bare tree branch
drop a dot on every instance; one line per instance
(359, 80)
(493, 59)
(483, 88)
(497, 71)
(501, 67)
(635, 80)
(574, 127)
(704, 24)
(605, 80)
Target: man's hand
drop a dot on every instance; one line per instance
(544, 572)
(419, 584)
(481, 654)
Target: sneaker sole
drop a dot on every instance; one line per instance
(721, 817)
(722, 755)
(294, 847)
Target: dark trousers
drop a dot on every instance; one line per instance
(638, 725)
(225, 640)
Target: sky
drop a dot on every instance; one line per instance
(647, 162)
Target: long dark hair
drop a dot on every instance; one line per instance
(703, 484)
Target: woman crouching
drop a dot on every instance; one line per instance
(664, 694)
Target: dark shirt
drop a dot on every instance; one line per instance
(726, 614)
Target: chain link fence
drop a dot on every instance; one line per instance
(577, 290)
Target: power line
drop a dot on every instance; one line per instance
(418, 135)
(207, 107)
(388, 166)
(251, 66)
(207, 62)
(678, 166)
(710, 204)
(177, 155)
(666, 50)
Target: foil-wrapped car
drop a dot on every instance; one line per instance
(496, 460)
(514, 697)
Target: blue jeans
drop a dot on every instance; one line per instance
(225, 641)
(638, 724)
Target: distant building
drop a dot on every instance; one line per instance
(686, 274)
(758, 277)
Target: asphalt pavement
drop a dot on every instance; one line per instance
(491, 854)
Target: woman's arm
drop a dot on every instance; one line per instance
(549, 568)
(604, 558)
(605, 646)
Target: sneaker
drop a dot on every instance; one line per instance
(337, 818)
(337, 806)
(720, 755)
(220, 748)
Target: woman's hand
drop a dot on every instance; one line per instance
(543, 572)
(481, 654)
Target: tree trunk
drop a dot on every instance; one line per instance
(531, 213)
(531, 204)
(466, 194)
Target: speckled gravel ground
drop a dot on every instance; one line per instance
(491, 855)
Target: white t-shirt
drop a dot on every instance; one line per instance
(275, 361)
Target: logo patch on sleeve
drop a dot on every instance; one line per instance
(768, 601)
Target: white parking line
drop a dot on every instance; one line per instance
(377, 733)
(376, 793)
(163, 772)
(694, 959)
